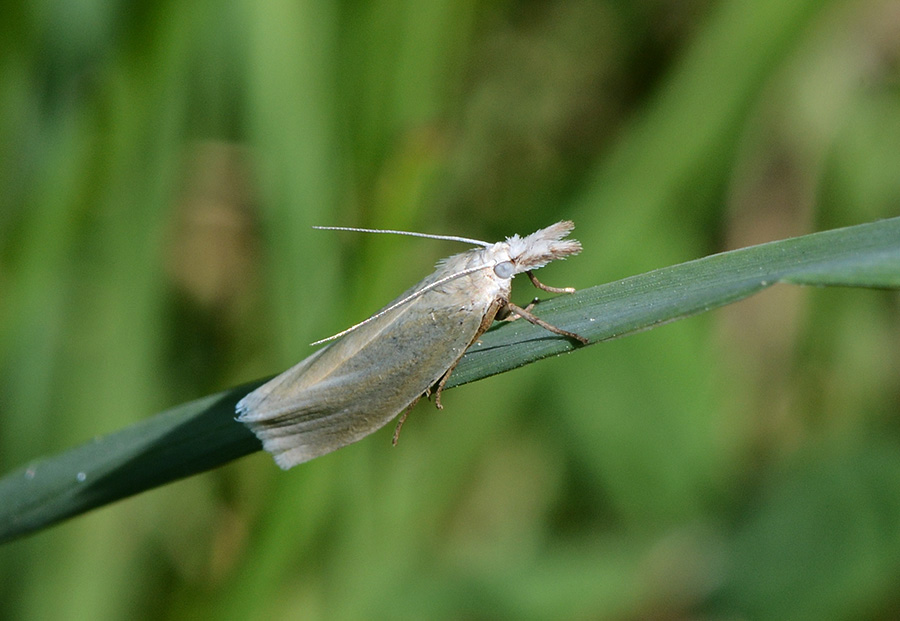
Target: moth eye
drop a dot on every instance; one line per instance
(505, 269)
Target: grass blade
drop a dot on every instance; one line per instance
(202, 434)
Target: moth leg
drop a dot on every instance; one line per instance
(512, 316)
(440, 383)
(540, 322)
(537, 283)
(496, 307)
(402, 420)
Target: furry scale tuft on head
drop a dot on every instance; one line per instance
(542, 247)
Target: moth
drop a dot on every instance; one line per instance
(382, 366)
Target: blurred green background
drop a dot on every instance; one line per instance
(161, 164)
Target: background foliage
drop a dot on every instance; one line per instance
(161, 164)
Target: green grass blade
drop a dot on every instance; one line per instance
(202, 434)
(180, 442)
(867, 255)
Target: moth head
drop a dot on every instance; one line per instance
(538, 249)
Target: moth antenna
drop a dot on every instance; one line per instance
(398, 303)
(464, 240)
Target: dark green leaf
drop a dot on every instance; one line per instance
(203, 434)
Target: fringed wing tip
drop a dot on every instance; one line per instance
(285, 462)
(251, 412)
(243, 410)
(286, 450)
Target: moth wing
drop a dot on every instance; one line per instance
(356, 385)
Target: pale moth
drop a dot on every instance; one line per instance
(382, 366)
